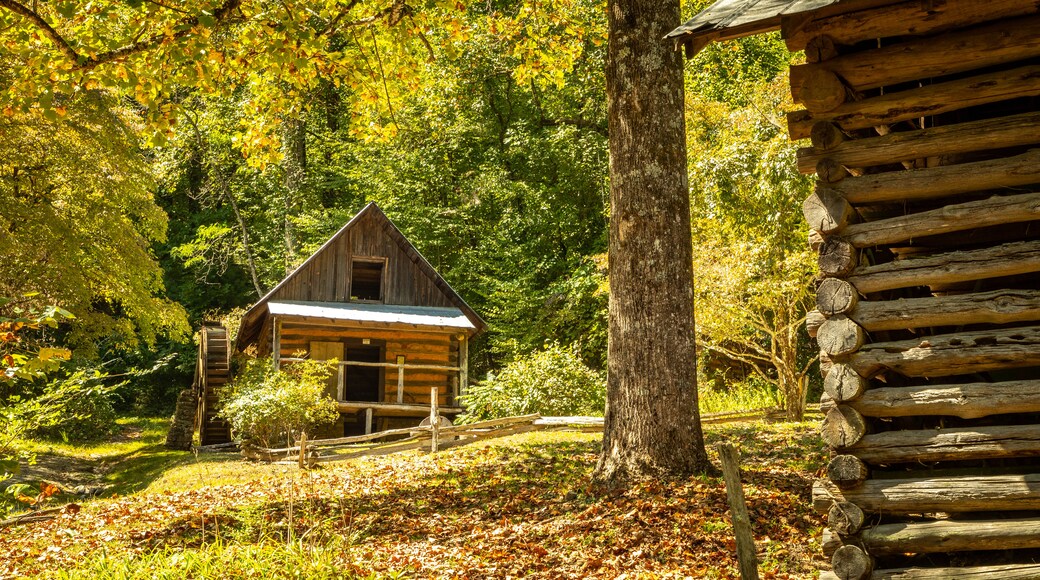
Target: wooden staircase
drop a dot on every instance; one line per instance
(212, 372)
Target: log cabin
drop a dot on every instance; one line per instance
(923, 126)
(368, 299)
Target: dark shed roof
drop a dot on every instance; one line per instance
(728, 19)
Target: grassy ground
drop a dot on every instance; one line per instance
(516, 507)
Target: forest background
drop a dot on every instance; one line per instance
(143, 208)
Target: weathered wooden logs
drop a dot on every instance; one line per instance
(942, 181)
(852, 563)
(818, 89)
(826, 211)
(820, 48)
(844, 384)
(842, 427)
(951, 536)
(891, 108)
(814, 319)
(916, 59)
(952, 354)
(847, 471)
(901, 19)
(845, 518)
(967, 401)
(1000, 572)
(952, 218)
(952, 494)
(945, 268)
(993, 307)
(835, 296)
(825, 135)
(950, 444)
(830, 171)
(838, 258)
(968, 137)
(840, 335)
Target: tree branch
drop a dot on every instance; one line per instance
(86, 63)
(59, 42)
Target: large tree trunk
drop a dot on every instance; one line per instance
(652, 424)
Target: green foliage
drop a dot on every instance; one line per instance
(78, 218)
(752, 264)
(550, 382)
(750, 394)
(267, 406)
(87, 411)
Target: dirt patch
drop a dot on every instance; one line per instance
(68, 472)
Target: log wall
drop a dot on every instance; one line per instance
(924, 128)
(420, 348)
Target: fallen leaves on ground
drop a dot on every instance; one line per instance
(518, 507)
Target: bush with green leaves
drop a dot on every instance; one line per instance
(86, 413)
(266, 406)
(551, 382)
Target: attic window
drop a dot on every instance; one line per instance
(367, 280)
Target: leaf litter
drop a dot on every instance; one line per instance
(517, 507)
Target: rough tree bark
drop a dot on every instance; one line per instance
(652, 423)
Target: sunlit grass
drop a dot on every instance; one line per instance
(296, 560)
(742, 396)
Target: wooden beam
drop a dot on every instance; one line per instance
(464, 364)
(951, 494)
(818, 89)
(958, 217)
(968, 137)
(939, 182)
(842, 427)
(826, 211)
(929, 100)
(994, 307)
(835, 296)
(845, 518)
(1001, 572)
(911, 18)
(844, 384)
(967, 401)
(276, 347)
(948, 267)
(838, 258)
(948, 536)
(954, 52)
(950, 444)
(852, 563)
(847, 471)
(840, 335)
(952, 354)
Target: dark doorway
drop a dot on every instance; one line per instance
(363, 383)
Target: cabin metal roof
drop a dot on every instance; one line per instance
(430, 316)
(728, 19)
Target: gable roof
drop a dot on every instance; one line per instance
(253, 320)
(729, 19)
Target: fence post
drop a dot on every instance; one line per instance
(303, 450)
(400, 379)
(435, 424)
(738, 510)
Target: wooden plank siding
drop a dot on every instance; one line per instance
(426, 348)
(326, 278)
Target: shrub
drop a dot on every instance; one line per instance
(86, 412)
(553, 381)
(264, 405)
